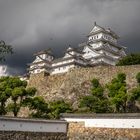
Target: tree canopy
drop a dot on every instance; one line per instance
(38, 107)
(118, 93)
(113, 97)
(14, 90)
(132, 59)
(4, 49)
(57, 107)
(96, 102)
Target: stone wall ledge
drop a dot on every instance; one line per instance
(107, 115)
(19, 119)
(32, 125)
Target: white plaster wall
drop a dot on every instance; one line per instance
(109, 38)
(62, 69)
(103, 35)
(107, 123)
(96, 37)
(96, 45)
(38, 71)
(9, 125)
(62, 62)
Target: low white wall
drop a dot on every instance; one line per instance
(32, 125)
(107, 122)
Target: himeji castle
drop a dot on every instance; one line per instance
(101, 48)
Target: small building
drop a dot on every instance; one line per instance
(101, 48)
(42, 63)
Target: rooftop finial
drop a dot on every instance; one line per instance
(95, 23)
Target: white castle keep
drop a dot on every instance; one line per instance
(102, 48)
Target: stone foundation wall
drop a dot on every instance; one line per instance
(77, 82)
(78, 131)
(15, 135)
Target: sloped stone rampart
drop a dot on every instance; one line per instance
(77, 82)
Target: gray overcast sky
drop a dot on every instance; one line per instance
(34, 25)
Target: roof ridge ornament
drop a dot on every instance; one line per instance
(95, 23)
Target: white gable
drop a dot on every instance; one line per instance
(88, 53)
(96, 28)
(67, 55)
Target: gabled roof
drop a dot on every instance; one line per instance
(112, 33)
(108, 48)
(77, 50)
(91, 48)
(48, 51)
(106, 41)
(96, 28)
(104, 55)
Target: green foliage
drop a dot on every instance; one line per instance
(4, 49)
(13, 107)
(19, 96)
(88, 102)
(132, 59)
(138, 78)
(135, 96)
(96, 102)
(38, 107)
(118, 93)
(97, 90)
(6, 87)
(15, 89)
(58, 107)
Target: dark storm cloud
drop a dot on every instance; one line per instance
(33, 25)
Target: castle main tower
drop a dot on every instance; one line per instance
(102, 47)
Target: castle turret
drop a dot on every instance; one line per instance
(42, 62)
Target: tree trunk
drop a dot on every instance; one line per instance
(15, 109)
(2, 108)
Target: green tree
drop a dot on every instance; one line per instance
(138, 78)
(58, 107)
(18, 97)
(13, 90)
(5, 93)
(132, 59)
(38, 107)
(4, 49)
(118, 93)
(134, 96)
(96, 102)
